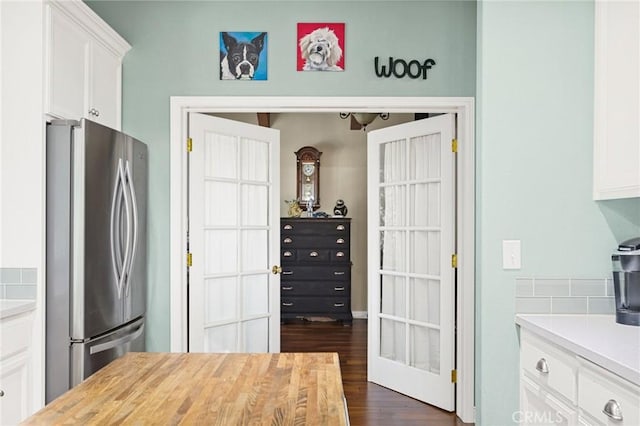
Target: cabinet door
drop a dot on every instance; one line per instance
(67, 71)
(104, 87)
(14, 387)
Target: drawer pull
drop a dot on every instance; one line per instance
(313, 254)
(287, 288)
(338, 305)
(340, 254)
(338, 273)
(338, 288)
(613, 410)
(287, 254)
(340, 241)
(287, 240)
(287, 304)
(288, 227)
(340, 228)
(542, 366)
(287, 272)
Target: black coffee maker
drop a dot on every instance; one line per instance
(626, 282)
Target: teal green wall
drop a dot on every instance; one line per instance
(534, 174)
(534, 128)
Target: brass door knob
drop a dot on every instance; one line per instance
(276, 270)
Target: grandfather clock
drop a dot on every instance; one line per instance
(308, 176)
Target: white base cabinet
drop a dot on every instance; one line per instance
(15, 368)
(559, 387)
(84, 65)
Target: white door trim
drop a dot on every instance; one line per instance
(463, 106)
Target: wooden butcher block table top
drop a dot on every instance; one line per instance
(206, 389)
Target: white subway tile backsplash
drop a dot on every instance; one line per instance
(18, 283)
(10, 276)
(564, 296)
(29, 276)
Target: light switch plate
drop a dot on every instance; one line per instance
(511, 254)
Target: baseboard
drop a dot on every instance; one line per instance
(359, 314)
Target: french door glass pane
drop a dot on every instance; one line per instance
(220, 204)
(221, 298)
(425, 348)
(222, 338)
(392, 205)
(254, 250)
(221, 251)
(424, 157)
(392, 340)
(392, 161)
(393, 250)
(255, 160)
(424, 300)
(221, 156)
(255, 335)
(255, 290)
(424, 204)
(424, 252)
(255, 205)
(393, 295)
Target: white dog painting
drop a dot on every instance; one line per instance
(320, 47)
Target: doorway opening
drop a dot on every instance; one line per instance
(463, 107)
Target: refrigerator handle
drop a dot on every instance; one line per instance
(101, 347)
(127, 248)
(134, 207)
(116, 254)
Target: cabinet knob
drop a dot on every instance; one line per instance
(612, 410)
(340, 241)
(288, 227)
(94, 112)
(340, 228)
(542, 366)
(1, 393)
(287, 240)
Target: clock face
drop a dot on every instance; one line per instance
(308, 168)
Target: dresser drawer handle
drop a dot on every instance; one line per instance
(287, 304)
(542, 366)
(313, 254)
(338, 305)
(287, 254)
(287, 227)
(340, 228)
(338, 288)
(340, 254)
(338, 273)
(613, 410)
(287, 272)
(287, 240)
(340, 241)
(287, 288)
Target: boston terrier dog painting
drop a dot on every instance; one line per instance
(240, 56)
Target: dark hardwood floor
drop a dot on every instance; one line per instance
(368, 403)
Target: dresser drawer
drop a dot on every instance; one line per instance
(548, 365)
(315, 288)
(315, 305)
(314, 242)
(319, 273)
(313, 227)
(600, 390)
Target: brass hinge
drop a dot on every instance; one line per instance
(189, 145)
(189, 260)
(454, 376)
(454, 145)
(454, 260)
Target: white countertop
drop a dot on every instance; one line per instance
(597, 338)
(14, 307)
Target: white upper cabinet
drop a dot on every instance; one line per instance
(84, 65)
(617, 100)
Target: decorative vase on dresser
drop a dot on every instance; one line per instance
(316, 268)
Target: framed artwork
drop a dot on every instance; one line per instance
(320, 47)
(243, 55)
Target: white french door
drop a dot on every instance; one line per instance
(411, 240)
(234, 234)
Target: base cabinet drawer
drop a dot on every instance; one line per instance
(539, 407)
(606, 399)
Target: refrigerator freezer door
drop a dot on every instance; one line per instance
(89, 357)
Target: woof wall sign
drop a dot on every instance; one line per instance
(401, 68)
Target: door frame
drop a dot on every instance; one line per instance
(181, 106)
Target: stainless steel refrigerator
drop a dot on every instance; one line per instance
(96, 250)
